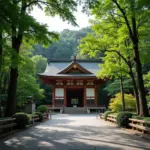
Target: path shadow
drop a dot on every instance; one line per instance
(59, 135)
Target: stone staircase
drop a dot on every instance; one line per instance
(74, 110)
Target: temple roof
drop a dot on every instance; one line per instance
(61, 68)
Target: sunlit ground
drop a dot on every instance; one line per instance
(74, 132)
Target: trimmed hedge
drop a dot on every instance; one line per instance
(123, 119)
(22, 120)
(40, 115)
(42, 109)
(106, 113)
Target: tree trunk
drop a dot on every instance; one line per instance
(17, 36)
(135, 93)
(0, 110)
(139, 74)
(122, 94)
(140, 85)
(5, 83)
(11, 100)
(1, 53)
(12, 88)
(1, 50)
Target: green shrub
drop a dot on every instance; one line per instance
(116, 103)
(22, 120)
(42, 109)
(40, 115)
(123, 119)
(106, 113)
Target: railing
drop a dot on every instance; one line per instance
(7, 124)
(35, 118)
(101, 116)
(140, 125)
(45, 115)
(111, 118)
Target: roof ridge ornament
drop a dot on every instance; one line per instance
(74, 59)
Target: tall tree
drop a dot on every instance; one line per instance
(138, 14)
(132, 19)
(26, 27)
(114, 67)
(106, 39)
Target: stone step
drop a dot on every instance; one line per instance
(74, 110)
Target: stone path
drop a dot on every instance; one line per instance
(74, 132)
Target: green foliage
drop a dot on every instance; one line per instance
(116, 103)
(113, 86)
(27, 84)
(19, 28)
(42, 109)
(40, 115)
(123, 119)
(115, 26)
(65, 47)
(106, 114)
(40, 63)
(22, 120)
(102, 96)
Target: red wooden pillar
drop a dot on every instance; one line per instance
(96, 95)
(65, 96)
(53, 96)
(84, 101)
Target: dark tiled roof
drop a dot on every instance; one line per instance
(55, 66)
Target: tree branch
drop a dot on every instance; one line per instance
(125, 17)
(105, 50)
(38, 1)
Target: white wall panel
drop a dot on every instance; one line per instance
(59, 92)
(90, 92)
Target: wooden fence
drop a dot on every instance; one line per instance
(111, 118)
(7, 125)
(34, 118)
(140, 125)
(45, 116)
(135, 124)
(101, 115)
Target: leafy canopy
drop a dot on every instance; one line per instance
(116, 103)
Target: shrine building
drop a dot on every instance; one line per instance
(74, 83)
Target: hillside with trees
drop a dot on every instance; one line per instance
(65, 47)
